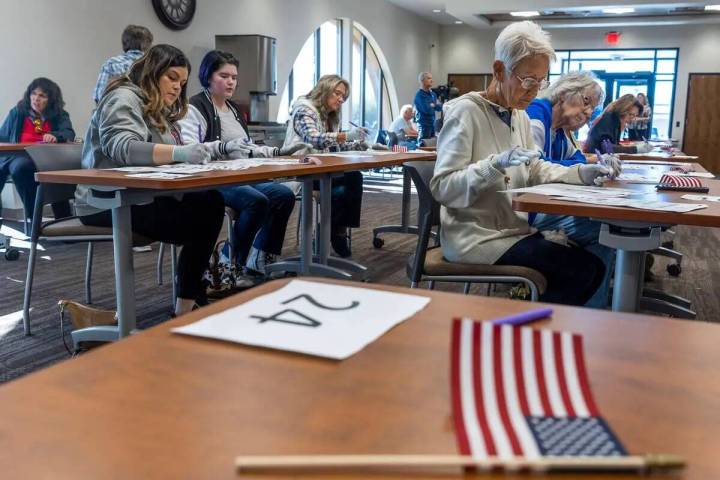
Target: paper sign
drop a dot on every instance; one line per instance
(325, 320)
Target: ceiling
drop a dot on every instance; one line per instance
(562, 13)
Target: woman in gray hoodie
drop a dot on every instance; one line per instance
(134, 124)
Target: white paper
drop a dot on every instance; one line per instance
(352, 318)
(639, 178)
(159, 175)
(701, 198)
(640, 204)
(566, 190)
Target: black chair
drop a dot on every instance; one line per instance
(428, 264)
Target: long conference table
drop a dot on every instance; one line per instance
(115, 190)
(159, 405)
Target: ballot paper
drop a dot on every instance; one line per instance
(645, 178)
(158, 175)
(325, 320)
(701, 198)
(641, 204)
(570, 191)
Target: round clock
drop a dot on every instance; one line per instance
(175, 14)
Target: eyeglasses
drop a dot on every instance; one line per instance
(529, 83)
(340, 94)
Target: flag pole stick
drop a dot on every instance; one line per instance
(640, 463)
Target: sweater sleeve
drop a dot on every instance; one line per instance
(121, 124)
(7, 126)
(459, 179)
(421, 105)
(305, 125)
(63, 129)
(193, 126)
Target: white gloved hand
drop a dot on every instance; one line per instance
(294, 148)
(514, 157)
(613, 163)
(643, 147)
(198, 153)
(238, 148)
(594, 174)
(356, 134)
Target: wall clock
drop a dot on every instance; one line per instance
(175, 14)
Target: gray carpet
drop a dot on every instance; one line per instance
(59, 275)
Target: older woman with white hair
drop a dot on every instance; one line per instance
(403, 125)
(486, 146)
(564, 107)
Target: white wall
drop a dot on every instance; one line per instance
(67, 40)
(466, 50)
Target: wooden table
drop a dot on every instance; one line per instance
(162, 405)
(631, 231)
(20, 147)
(117, 191)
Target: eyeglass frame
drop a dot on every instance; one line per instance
(344, 96)
(541, 85)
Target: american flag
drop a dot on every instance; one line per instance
(680, 180)
(520, 392)
(399, 148)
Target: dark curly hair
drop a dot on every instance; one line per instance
(55, 103)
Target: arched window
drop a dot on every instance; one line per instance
(322, 53)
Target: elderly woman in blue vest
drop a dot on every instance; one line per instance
(315, 119)
(562, 109)
(426, 104)
(487, 146)
(38, 118)
(261, 210)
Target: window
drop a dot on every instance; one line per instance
(650, 71)
(370, 103)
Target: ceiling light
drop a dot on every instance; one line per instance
(712, 8)
(437, 10)
(531, 13)
(618, 10)
(458, 22)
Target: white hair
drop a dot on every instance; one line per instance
(423, 76)
(405, 108)
(521, 40)
(574, 84)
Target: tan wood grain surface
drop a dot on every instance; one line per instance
(162, 405)
(328, 164)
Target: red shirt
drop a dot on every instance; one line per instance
(29, 133)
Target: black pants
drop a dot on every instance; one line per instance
(193, 222)
(347, 192)
(20, 167)
(573, 274)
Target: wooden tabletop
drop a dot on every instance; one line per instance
(707, 217)
(162, 405)
(328, 164)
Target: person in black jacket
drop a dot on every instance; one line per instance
(611, 124)
(38, 118)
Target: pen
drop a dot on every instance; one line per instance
(524, 317)
(200, 133)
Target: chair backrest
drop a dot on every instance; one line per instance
(428, 142)
(392, 139)
(66, 156)
(428, 212)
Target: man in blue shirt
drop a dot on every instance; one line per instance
(426, 104)
(136, 40)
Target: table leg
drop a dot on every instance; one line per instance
(124, 270)
(405, 207)
(306, 233)
(325, 218)
(628, 280)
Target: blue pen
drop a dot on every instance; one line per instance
(524, 317)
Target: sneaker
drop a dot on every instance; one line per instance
(340, 245)
(258, 259)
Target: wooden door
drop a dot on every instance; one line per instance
(702, 120)
(475, 82)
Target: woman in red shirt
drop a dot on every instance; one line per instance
(39, 117)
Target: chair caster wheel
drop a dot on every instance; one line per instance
(378, 242)
(674, 270)
(12, 254)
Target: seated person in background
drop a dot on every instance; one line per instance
(135, 41)
(315, 119)
(486, 146)
(639, 128)
(38, 118)
(562, 108)
(426, 104)
(134, 124)
(610, 125)
(403, 125)
(262, 210)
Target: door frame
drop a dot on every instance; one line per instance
(687, 101)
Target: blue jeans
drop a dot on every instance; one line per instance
(584, 232)
(263, 211)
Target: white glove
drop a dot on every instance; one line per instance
(198, 153)
(514, 157)
(613, 163)
(294, 148)
(594, 174)
(356, 134)
(643, 147)
(238, 148)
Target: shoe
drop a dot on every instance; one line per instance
(340, 245)
(258, 259)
